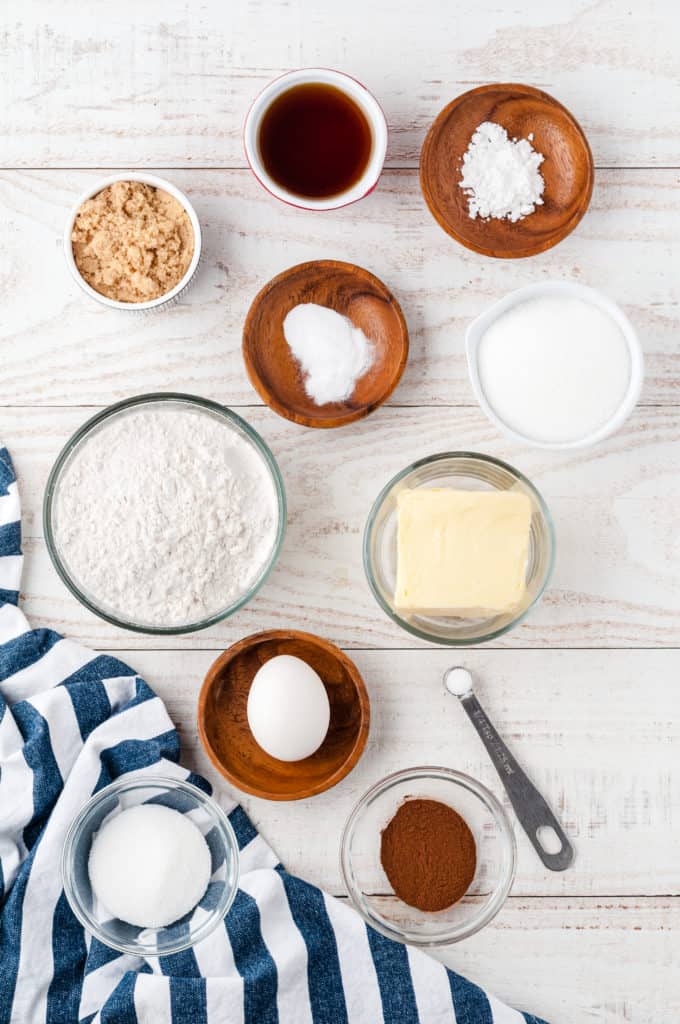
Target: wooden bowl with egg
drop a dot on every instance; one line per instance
(227, 737)
(353, 292)
(567, 169)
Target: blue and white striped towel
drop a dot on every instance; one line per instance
(71, 721)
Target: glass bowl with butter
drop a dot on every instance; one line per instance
(458, 548)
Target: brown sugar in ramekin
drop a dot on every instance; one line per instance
(132, 242)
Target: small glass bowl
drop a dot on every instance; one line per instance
(205, 814)
(367, 883)
(466, 471)
(206, 407)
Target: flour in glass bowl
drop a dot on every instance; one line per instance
(165, 515)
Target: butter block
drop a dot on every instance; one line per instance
(461, 552)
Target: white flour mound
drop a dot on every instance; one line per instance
(501, 176)
(165, 515)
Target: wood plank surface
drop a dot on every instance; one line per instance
(586, 691)
(615, 510)
(67, 349)
(580, 961)
(168, 84)
(562, 712)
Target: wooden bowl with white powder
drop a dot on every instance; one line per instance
(325, 343)
(507, 171)
(165, 513)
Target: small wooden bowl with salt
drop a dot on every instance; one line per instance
(525, 113)
(281, 379)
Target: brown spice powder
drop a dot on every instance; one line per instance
(132, 242)
(429, 854)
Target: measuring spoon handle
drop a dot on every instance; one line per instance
(530, 807)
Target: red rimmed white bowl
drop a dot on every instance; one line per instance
(357, 92)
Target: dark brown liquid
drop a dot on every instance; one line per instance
(315, 141)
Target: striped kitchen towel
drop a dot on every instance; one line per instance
(71, 721)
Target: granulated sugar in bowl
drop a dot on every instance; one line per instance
(165, 513)
(555, 365)
(155, 850)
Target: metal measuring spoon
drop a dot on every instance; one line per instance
(533, 812)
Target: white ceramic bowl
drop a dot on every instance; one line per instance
(478, 327)
(163, 301)
(359, 94)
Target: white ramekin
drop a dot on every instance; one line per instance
(478, 327)
(361, 96)
(163, 301)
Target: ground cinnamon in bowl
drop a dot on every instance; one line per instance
(428, 854)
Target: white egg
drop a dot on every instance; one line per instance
(288, 708)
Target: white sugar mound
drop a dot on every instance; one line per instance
(149, 865)
(333, 354)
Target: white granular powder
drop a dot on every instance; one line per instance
(149, 865)
(165, 515)
(501, 176)
(554, 368)
(333, 354)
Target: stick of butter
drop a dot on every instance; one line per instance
(461, 552)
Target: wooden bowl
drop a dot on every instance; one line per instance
(567, 170)
(349, 290)
(229, 743)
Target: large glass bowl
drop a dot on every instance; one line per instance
(367, 883)
(463, 471)
(205, 814)
(99, 422)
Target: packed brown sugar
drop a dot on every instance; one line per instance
(132, 242)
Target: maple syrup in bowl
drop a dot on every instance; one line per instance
(316, 138)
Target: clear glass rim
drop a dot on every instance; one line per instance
(80, 821)
(204, 404)
(497, 898)
(368, 536)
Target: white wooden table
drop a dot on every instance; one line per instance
(587, 692)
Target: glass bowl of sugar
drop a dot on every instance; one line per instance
(165, 513)
(184, 824)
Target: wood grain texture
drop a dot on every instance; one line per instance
(567, 169)
(563, 715)
(64, 349)
(351, 291)
(589, 711)
(223, 717)
(169, 84)
(615, 508)
(610, 961)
